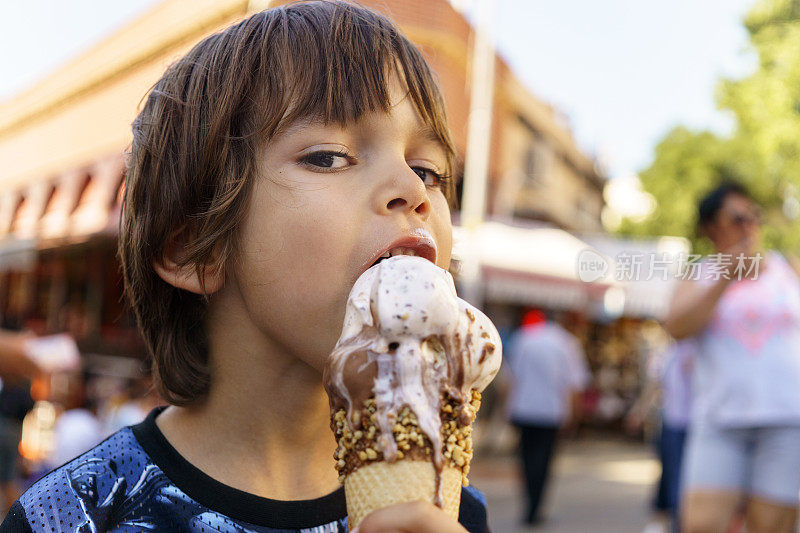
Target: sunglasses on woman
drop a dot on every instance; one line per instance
(745, 219)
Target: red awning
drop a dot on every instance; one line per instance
(97, 203)
(70, 208)
(54, 223)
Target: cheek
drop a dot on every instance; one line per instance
(303, 230)
(718, 232)
(445, 249)
(294, 275)
(443, 230)
(314, 259)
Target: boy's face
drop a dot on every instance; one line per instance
(329, 202)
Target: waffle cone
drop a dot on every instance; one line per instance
(381, 484)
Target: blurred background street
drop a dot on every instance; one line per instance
(599, 484)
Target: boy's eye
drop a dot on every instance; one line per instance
(431, 178)
(326, 159)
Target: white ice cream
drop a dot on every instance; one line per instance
(405, 315)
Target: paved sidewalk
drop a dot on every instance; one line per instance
(597, 485)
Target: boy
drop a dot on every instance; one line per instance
(269, 168)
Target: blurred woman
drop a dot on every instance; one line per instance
(743, 448)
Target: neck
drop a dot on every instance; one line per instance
(264, 427)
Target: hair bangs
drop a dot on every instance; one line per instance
(336, 62)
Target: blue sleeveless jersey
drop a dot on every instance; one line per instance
(136, 481)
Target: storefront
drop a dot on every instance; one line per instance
(58, 266)
(615, 315)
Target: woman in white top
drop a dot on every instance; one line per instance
(744, 441)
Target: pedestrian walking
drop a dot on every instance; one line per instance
(548, 372)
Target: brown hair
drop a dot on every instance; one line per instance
(192, 161)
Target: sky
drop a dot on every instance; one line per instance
(622, 72)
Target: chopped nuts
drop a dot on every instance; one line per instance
(458, 455)
(360, 443)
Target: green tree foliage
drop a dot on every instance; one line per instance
(685, 163)
(763, 152)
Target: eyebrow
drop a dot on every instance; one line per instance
(423, 133)
(427, 133)
(302, 123)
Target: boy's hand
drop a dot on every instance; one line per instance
(412, 517)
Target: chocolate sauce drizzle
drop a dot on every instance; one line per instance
(409, 341)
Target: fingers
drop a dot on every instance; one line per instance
(412, 517)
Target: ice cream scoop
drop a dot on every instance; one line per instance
(405, 377)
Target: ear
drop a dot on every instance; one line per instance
(186, 277)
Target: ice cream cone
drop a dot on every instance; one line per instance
(404, 383)
(372, 481)
(382, 484)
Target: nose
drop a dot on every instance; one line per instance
(404, 191)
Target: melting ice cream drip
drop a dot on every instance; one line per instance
(405, 322)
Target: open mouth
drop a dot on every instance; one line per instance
(414, 246)
(400, 251)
